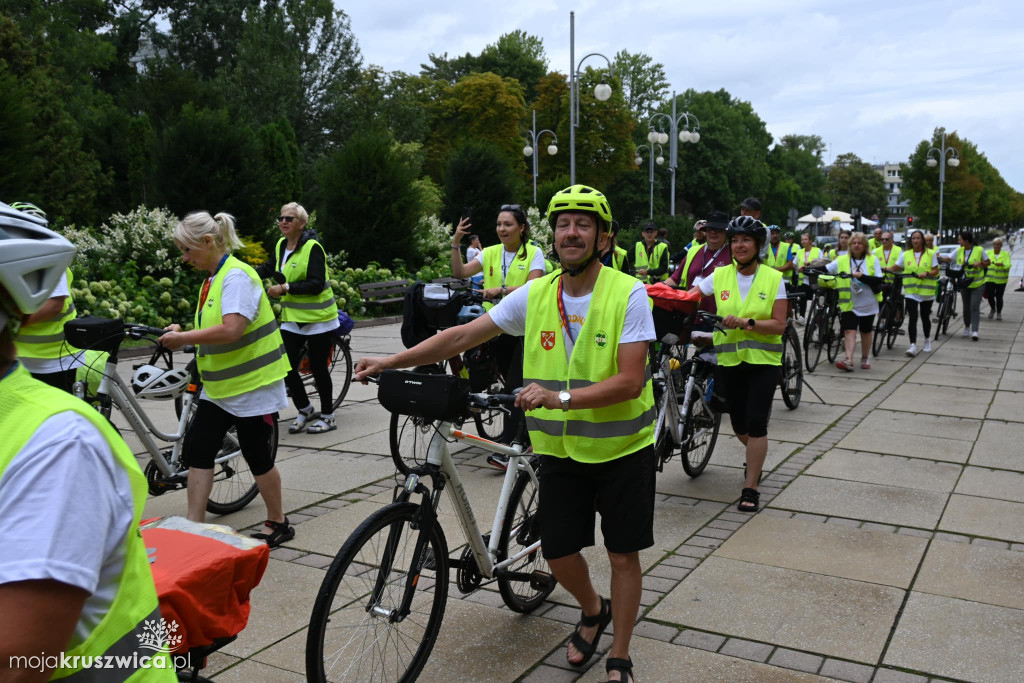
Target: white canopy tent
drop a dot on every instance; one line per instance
(830, 216)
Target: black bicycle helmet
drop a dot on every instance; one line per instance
(746, 225)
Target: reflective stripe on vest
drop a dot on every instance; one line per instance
(999, 269)
(305, 308)
(914, 283)
(973, 269)
(584, 434)
(656, 253)
(25, 404)
(233, 369)
(843, 283)
(742, 346)
(517, 273)
(46, 339)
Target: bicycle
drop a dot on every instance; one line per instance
(791, 373)
(234, 486)
(380, 606)
(823, 330)
(946, 298)
(409, 435)
(682, 391)
(339, 364)
(890, 316)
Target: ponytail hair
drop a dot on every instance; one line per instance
(191, 230)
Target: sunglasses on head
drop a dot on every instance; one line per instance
(511, 207)
(285, 219)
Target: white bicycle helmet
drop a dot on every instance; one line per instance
(159, 384)
(32, 259)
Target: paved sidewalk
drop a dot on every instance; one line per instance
(889, 546)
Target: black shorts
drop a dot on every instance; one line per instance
(748, 390)
(848, 320)
(205, 437)
(622, 490)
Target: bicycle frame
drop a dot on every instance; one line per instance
(438, 456)
(669, 403)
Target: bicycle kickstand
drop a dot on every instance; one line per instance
(807, 384)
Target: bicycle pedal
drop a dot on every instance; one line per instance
(542, 581)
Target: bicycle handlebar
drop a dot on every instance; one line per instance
(820, 272)
(485, 400)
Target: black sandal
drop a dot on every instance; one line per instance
(749, 500)
(601, 621)
(282, 533)
(623, 666)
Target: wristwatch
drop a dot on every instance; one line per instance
(750, 323)
(286, 288)
(564, 397)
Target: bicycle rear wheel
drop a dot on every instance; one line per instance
(355, 630)
(813, 339)
(409, 438)
(942, 317)
(835, 336)
(520, 530)
(880, 328)
(792, 375)
(700, 432)
(339, 364)
(490, 423)
(894, 325)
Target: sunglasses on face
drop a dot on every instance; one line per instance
(510, 207)
(285, 219)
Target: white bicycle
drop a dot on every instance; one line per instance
(380, 606)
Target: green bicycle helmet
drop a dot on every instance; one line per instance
(29, 208)
(580, 198)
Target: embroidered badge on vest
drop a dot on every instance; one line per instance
(547, 340)
(762, 296)
(601, 339)
(725, 295)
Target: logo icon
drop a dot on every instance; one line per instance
(725, 295)
(156, 633)
(547, 340)
(601, 339)
(762, 296)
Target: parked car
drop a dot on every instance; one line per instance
(826, 242)
(946, 250)
(899, 239)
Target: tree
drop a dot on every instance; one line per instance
(644, 84)
(395, 102)
(204, 37)
(796, 177)
(478, 175)
(517, 55)
(852, 183)
(370, 199)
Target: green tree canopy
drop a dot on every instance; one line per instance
(517, 55)
(852, 183)
(644, 84)
(478, 175)
(796, 177)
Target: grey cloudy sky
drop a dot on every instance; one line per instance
(873, 77)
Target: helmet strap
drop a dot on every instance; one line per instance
(744, 266)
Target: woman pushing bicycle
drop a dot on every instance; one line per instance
(920, 266)
(309, 314)
(241, 364)
(973, 261)
(752, 302)
(858, 303)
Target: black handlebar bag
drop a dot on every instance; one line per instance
(430, 396)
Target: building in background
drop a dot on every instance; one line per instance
(899, 207)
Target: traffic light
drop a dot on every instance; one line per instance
(910, 221)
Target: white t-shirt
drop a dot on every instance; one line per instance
(241, 295)
(864, 301)
(66, 505)
(47, 366)
(472, 253)
(507, 257)
(935, 264)
(707, 285)
(510, 315)
(309, 329)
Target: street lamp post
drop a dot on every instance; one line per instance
(531, 150)
(602, 92)
(660, 159)
(675, 136)
(933, 161)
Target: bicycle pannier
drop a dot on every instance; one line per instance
(98, 334)
(434, 397)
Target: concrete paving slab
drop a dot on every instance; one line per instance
(868, 437)
(378, 443)
(729, 452)
(658, 661)
(673, 524)
(796, 431)
(811, 612)
(810, 410)
(956, 376)
(251, 671)
(959, 639)
(922, 424)
(986, 517)
(973, 572)
(999, 445)
(1015, 362)
(916, 398)
(978, 358)
(176, 503)
(1007, 405)
(987, 483)
(859, 554)
(891, 470)
(333, 473)
(715, 483)
(856, 500)
(327, 533)
(281, 605)
(601, 571)
(354, 421)
(1013, 380)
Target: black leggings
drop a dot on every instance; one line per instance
(748, 390)
(206, 436)
(63, 379)
(508, 351)
(926, 318)
(319, 358)
(994, 295)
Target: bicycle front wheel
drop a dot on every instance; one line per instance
(339, 365)
(942, 317)
(835, 336)
(700, 432)
(880, 328)
(519, 531)
(792, 379)
(813, 339)
(892, 328)
(357, 630)
(409, 438)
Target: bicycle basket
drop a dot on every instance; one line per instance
(434, 397)
(97, 334)
(672, 322)
(439, 306)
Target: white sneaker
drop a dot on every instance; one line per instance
(912, 351)
(966, 333)
(927, 346)
(974, 336)
(999, 316)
